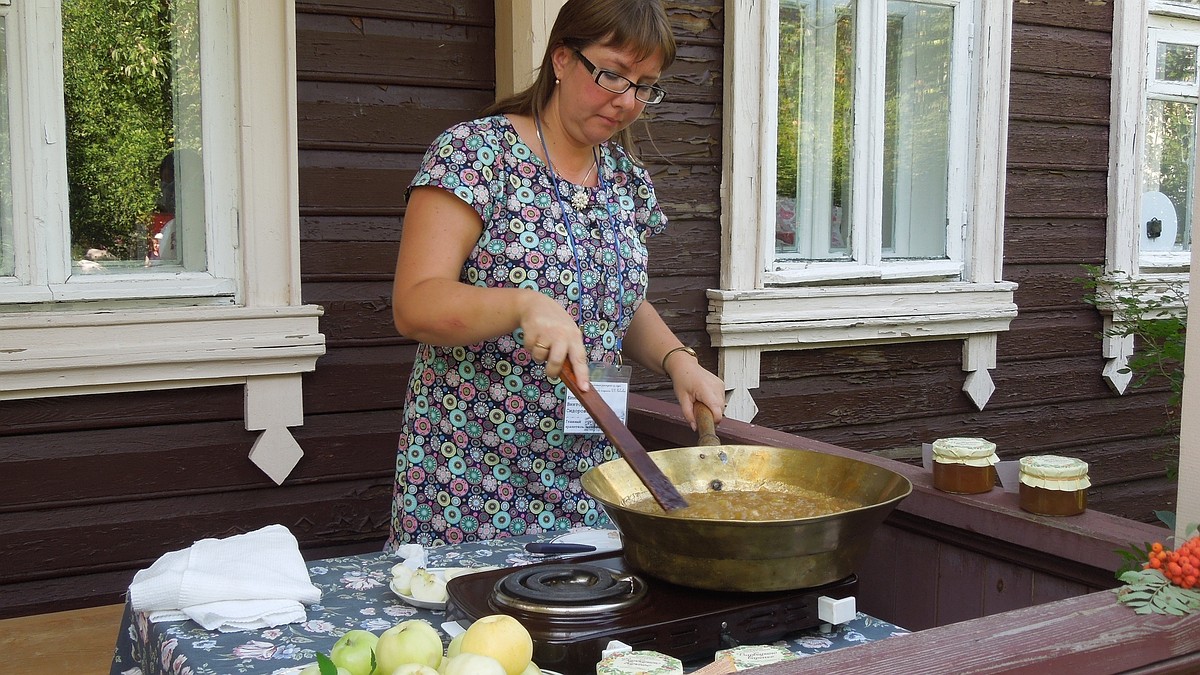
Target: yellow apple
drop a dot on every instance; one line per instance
(532, 669)
(501, 637)
(472, 664)
(353, 651)
(412, 641)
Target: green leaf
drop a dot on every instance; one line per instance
(327, 666)
(1167, 518)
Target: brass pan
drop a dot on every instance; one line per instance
(740, 555)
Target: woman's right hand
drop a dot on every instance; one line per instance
(552, 336)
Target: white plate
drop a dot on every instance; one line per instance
(439, 572)
(603, 540)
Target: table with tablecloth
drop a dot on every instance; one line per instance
(355, 594)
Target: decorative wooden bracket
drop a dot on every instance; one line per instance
(274, 403)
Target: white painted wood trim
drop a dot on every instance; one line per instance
(67, 353)
(742, 240)
(1187, 504)
(522, 33)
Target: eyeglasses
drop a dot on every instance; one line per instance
(618, 84)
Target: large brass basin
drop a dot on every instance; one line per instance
(739, 555)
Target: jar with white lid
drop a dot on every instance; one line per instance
(1052, 485)
(964, 465)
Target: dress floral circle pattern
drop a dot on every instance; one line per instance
(483, 453)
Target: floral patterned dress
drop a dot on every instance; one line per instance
(483, 453)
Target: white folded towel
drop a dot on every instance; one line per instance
(253, 580)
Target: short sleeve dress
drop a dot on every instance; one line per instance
(483, 453)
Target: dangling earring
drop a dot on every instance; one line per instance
(556, 81)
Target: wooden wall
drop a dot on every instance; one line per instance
(93, 488)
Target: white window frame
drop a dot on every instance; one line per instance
(1124, 262)
(755, 311)
(242, 322)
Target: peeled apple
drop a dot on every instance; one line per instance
(428, 587)
(402, 579)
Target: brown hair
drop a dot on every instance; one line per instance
(641, 25)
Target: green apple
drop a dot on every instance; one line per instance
(501, 637)
(455, 645)
(473, 664)
(412, 641)
(532, 669)
(355, 651)
(414, 669)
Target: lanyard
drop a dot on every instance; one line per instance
(616, 234)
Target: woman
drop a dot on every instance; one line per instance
(524, 248)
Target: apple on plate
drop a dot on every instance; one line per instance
(412, 641)
(466, 663)
(501, 637)
(355, 651)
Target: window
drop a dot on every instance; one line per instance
(880, 215)
(1156, 91)
(223, 306)
(872, 219)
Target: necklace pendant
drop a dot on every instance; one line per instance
(579, 199)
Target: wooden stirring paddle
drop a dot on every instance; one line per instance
(626, 443)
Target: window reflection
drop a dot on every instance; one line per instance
(7, 250)
(132, 95)
(820, 54)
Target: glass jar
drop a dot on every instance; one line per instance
(964, 465)
(1054, 486)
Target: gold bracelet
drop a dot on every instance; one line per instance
(666, 356)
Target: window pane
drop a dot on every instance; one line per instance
(1175, 63)
(132, 92)
(816, 97)
(1169, 165)
(7, 252)
(916, 130)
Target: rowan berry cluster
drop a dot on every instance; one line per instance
(1181, 566)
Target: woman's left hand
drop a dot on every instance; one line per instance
(693, 383)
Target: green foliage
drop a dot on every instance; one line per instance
(1149, 592)
(1155, 315)
(117, 86)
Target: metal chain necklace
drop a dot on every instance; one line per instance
(616, 237)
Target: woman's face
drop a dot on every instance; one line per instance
(590, 112)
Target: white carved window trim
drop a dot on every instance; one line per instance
(1123, 260)
(749, 316)
(254, 332)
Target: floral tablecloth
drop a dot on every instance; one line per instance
(355, 594)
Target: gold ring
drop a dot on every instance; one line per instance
(538, 344)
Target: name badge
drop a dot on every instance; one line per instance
(612, 383)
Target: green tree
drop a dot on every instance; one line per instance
(117, 86)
